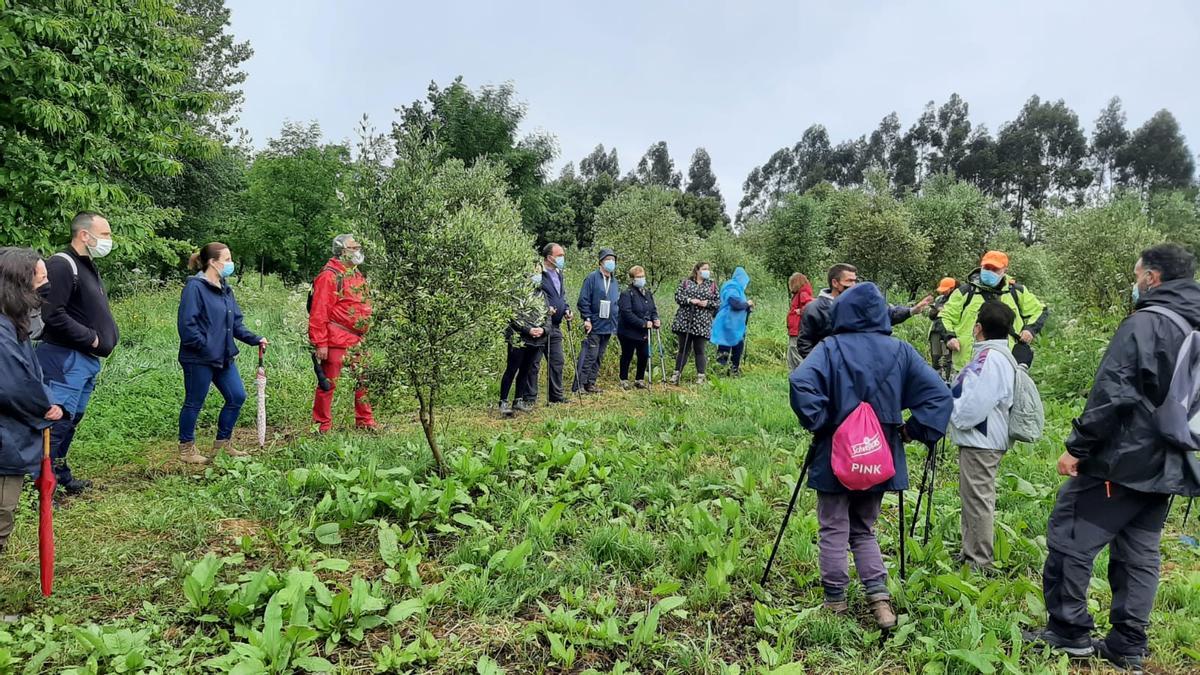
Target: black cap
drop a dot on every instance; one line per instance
(605, 253)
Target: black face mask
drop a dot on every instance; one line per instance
(43, 291)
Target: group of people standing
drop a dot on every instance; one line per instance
(705, 314)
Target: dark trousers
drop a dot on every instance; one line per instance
(521, 360)
(630, 348)
(1090, 514)
(591, 353)
(723, 354)
(691, 344)
(553, 352)
(197, 378)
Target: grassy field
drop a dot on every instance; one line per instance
(622, 534)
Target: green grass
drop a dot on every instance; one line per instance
(624, 533)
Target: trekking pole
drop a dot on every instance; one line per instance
(932, 488)
(787, 516)
(662, 357)
(903, 557)
(650, 355)
(1187, 512)
(920, 496)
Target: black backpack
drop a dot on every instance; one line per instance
(336, 275)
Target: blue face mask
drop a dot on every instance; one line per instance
(610, 266)
(1137, 293)
(560, 262)
(989, 278)
(639, 282)
(227, 270)
(705, 275)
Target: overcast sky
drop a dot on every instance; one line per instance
(741, 79)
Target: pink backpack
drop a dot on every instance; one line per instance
(861, 456)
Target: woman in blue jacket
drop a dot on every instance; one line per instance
(25, 408)
(209, 321)
(637, 314)
(729, 326)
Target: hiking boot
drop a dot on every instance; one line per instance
(226, 445)
(625, 385)
(188, 454)
(523, 406)
(838, 607)
(593, 389)
(881, 607)
(1130, 663)
(701, 379)
(674, 381)
(640, 384)
(1077, 648)
(76, 486)
(506, 409)
(735, 372)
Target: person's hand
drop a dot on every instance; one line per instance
(264, 342)
(553, 311)
(649, 324)
(587, 326)
(1026, 337)
(537, 332)
(55, 413)
(1068, 465)
(95, 342)
(570, 315)
(750, 303)
(797, 311)
(322, 353)
(920, 306)
(953, 345)
(657, 323)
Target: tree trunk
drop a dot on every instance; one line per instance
(425, 406)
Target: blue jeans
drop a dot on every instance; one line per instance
(196, 381)
(71, 377)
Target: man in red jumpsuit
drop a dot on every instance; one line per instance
(337, 323)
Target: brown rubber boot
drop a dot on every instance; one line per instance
(881, 607)
(227, 446)
(189, 455)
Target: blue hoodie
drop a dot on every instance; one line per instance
(209, 320)
(729, 326)
(861, 360)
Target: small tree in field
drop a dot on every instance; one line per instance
(643, 227)
(453, 252)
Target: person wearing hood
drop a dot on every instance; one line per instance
(209, 321)
(990, 283)
(729, 326)
(1122, 471)
(802, 294)
(526, 337)
(862, 362)
(25, 407)
(638, 315)
(697, 298)
(597, 306)
(338, 323)
(79, 331)
(815, 324)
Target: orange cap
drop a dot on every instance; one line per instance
(996, 259)
(947, 284)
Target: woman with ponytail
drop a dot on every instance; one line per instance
(209, 322)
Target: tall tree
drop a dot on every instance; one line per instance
(950, 135)
(657, 168)
(599, 162)
(217, 66)
(1108, 139)
(794, 169)
(882, 143)
(1041, 156)
(701, 179)
(980, 166)
(1157, 156)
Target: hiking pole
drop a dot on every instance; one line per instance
(903, 557)
(920, 496)
(787, 516)
(650, 357)
(662, 357)
(932, 487)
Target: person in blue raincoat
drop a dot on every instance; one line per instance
(862, 361)
(729, 326)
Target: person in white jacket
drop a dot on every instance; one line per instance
(983, 396)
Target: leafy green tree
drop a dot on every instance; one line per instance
(599, 162)
(794, 169)
(949, 136)
(956, 218)
(796, 231)
(1109, 137)
(217, 65)
(1041, 156)
(707, 214)
(449, 274)
(981, 166)
(1176, 213)
(95, 97)
(644, 228)
(1156, 156)
(657, 168)
(872, 230)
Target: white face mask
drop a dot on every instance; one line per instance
(357, 258)
(102, 248)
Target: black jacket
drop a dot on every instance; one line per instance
(1114, 435)
(24, 401)
(76, 311)
(817, 322)
(636, 307)
(557, 299)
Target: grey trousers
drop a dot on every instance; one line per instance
(591, 353)
(846, 522)
(977, 491)
(553, 353)
(10, 497)
(793, 353)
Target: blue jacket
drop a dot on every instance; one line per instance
(24, 401)
(862, 361)
(590, 296)
(555, 298)
(637, 307)
(209, 321)
(729, 326)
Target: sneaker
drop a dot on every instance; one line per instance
(735, 372)
(674, 379)
(1077, 648)
(838, 607)
(188, 454)
(640, 384)
(1130, 663)
(523, 406)
(593, 389)
(701, 379)
(506, 409)
(625, 385)
(227, 445)
(881, 607)
(76, 486)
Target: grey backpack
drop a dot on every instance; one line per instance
(1178, 418)
(1027, 417)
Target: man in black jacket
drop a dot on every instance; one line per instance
(1122, 472)
(817, 324)
(80, 330)
(555, 289)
